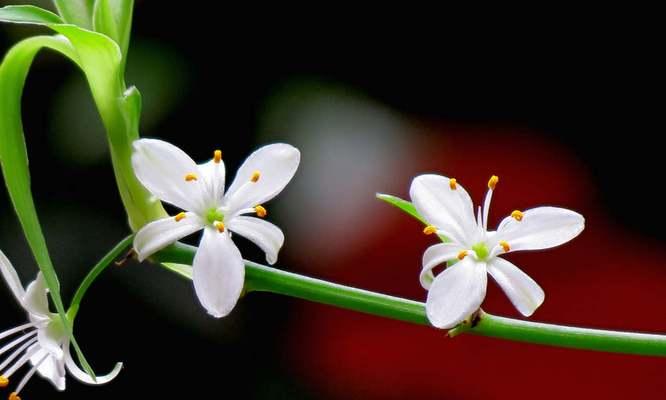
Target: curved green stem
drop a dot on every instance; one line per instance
(259, 278)
(94, 273)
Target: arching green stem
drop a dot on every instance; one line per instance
(259, 278)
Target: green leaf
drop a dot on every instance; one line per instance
(14, 160)
(183, 270)
(114, 19)
(77, 12)
(100, 59)
(102, 62)
(404, 205)
(131, 102)
(28, 15)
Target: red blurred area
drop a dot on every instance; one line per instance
(605, 278)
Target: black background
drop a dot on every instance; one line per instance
(591, 83)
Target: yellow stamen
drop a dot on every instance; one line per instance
(492, 182)
(219, 225)
(429, 230)
(453, 183)
(217, 156)
(261, 211)
(255, 176)
(14, 396)
(191, 177)
(4, 381)
(517, 215)
(179, 216)
(505, 245)
(462, 254)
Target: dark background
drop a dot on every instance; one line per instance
(587, 93)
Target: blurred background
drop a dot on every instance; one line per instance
(567, 115)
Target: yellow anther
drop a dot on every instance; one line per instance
(14, 396)
(179, 216)
(217, 156)
(453, 183)
(255, 176)
(505, 245)
(462, 254)
(492, 182)
(219, 225)
(517, 215)
(191, 177)
(4, 381)
(429, 230)
(261, 211)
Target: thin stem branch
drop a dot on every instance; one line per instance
(259, 278)
(108, 259)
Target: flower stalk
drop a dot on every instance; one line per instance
(261, 278)
(94, 273)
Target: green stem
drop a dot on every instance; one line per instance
(94, 273)
(260, 278)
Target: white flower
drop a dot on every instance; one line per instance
(42, 342)
(459, 290)
(171, 175)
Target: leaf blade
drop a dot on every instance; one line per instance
(14, 160)
(114, 19)
(27, 14)
(77, 12)
(404, 205)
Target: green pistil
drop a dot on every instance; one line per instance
(214, 215)
(481, 250)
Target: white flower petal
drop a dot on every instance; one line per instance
(161, 167)
(35, 300)
(218, 273)
(456, 293)
(525, 294)
(50, 338)
(540, 228)
(82, 376)
(50, 368)
(267, 236)
(434, 256)
(448, 209)
(161, 233)
(213, 176)
(11, 277)
(276, 164)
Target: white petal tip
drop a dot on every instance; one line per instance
(439, 321)
(441, 324)
(140, 256)
(217, 314)
(531, 311)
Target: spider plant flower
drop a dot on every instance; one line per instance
(173, 177)
(41, 343)
(473, 251)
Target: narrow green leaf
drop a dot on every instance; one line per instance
(114, 19)
(28, 15)
(14, 159)
(102, 61)
(77, 12)
(131, 103)
(404, 205)
(183, 270)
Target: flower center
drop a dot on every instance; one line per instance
(213, 215)
(481, 250)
